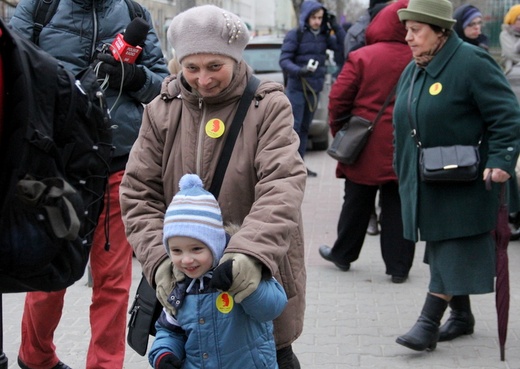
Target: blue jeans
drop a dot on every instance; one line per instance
(302, 116)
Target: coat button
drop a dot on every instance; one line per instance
(202, 321)
(205, 355)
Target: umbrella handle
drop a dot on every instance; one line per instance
(488, 180)
(502, 187)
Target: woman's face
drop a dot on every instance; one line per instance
(421, 37)
(474, 29)
(208, 74)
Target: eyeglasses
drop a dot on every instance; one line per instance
(474, 24)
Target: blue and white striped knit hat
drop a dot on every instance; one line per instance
(194, 212)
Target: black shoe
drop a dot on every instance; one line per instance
(424, 335)
(459, 323)
(399, 279)
(60, 365)
(515, 233)
(310, 173)
(325, 253)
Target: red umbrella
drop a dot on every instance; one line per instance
(501, 234)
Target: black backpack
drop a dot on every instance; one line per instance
(55, 150)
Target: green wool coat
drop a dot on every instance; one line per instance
(461, 97)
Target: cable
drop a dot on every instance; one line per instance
(306, 86)
(104, 82)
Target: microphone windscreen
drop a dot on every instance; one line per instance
(136, 31)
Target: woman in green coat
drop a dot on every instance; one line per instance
(456, 94)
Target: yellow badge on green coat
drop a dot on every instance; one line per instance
(224, 302)
(435, 89)
(215, 128)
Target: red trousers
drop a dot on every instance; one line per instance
(111, 277)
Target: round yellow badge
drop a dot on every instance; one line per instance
(224, 303)
(435, 89)
(215, 128)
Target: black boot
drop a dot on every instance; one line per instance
(461, 320)
(425, 333)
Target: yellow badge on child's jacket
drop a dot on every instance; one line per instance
(215, 128)
(435, 89)
(224, 303)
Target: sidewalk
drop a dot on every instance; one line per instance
(352, 318)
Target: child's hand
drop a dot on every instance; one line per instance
(168, 361)
(239, 274)
(222, 276)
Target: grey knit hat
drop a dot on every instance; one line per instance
(435, 12)
(208, 29)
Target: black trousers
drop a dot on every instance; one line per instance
(358, 202)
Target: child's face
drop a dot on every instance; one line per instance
(190, 256)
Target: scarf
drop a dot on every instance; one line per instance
(424, 59)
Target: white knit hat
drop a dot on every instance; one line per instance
(194, 212)
(208, 29)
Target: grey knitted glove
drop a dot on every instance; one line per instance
(246, 273)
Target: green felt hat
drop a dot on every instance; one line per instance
(435, 12)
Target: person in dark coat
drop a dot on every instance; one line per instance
(456, 94)
(469, 26)
(361, 89)
(302, 60)
(74, 36)
(461, 321)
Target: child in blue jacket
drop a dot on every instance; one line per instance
(204, 327)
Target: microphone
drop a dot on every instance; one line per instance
(126, 47)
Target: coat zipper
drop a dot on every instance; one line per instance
(95, 31)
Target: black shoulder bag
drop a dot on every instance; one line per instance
(456, 163)
(352, 138)
(146, 309)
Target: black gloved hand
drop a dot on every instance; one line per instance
(332, 22)
(222, 276)
(134, 77)
(238, 274)
(168, 361)
(304, 72)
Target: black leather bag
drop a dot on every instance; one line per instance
(458, 163)
(144, 312)
(350, 140)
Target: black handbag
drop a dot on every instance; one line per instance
(456, 163)
(351, 139)
(146, 307)
(144, 312)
